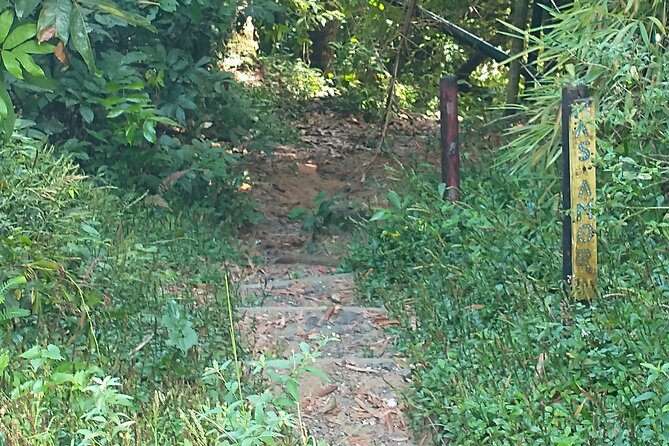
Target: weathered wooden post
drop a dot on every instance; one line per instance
(579, 239)
(450, 151)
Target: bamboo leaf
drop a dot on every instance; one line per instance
(113, 9)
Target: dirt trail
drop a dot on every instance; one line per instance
(298, 293)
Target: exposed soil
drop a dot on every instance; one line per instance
(336, 154)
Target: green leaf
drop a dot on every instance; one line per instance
(4, 362)
(19, 35)
(29, 64)
(317, 373)
(394, 199)
(25, 7)
(90, 230)
(12, 283)
(282, 364)
(149, 131)
(87, 113)
(54, 20)
(644, 397)
(34, 47)
(32, 353)
(6, 21)
(14, 313)
(80, 38)
(45, 265)
(10, 119)
(309, 223)
(3, 110)
(297, 212)
(379, 215)
(52, 352)
(292, 390)
(130, 132)
(12, 64)
(442, 189)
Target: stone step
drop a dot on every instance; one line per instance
(278, 331)
(307, 291)
(360, 404)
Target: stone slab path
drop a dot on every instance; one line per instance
(361, 404)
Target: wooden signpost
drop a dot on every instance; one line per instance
(579, 192)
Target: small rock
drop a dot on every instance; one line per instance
(336, 298)
(391, 402)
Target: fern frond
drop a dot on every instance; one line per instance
(13, 313)
(9, 284)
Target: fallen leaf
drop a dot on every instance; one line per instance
(331, 311)
(359, 369)
(475, 307)
(586, 394)
(540, 364)
(383, 321)
(358, 441)
(325, 391)
(61, 55)
(330, 406)
(156, 201)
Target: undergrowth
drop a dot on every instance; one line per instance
(117, 319)
(500, 355)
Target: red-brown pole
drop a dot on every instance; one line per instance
(450, 150)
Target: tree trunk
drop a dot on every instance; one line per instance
(519, 20)
(535, 24)
(321, 43)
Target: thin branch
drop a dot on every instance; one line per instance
(409, 14)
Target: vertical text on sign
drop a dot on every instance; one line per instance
(582, 150)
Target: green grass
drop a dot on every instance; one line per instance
(126, 329)
(500, 355)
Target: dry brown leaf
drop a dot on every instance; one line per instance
(331, 311)
(61, 55)
(325, 391)
(47, 34)
(358, 441)
(330, 406)
(540, 364)
(579, 409)
(383, 321)
(586, 394)
(359, 369)
(475, 307)
(156, 201)
(171, 180)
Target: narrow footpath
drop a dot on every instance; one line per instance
(296, 294)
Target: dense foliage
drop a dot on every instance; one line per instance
(126, 133)
(502, 357)
(101, 331)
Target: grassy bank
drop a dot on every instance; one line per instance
(500, 355)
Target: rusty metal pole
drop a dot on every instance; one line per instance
(450, 150)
